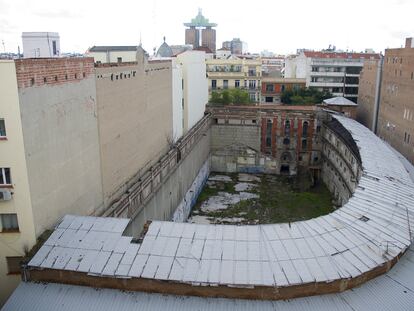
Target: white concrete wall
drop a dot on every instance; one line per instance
(298, 67)
(195, 86)
(177, 89)
(60, 130)
(40, 44)
(12, 155)
(184, 208)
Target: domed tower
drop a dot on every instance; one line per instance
(164, 50)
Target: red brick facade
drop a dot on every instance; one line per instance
(32, 72)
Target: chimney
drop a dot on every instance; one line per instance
(409, 43)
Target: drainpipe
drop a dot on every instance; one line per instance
(377, 95)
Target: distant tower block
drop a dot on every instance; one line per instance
(201, 28)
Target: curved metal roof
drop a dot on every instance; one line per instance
(371, 230)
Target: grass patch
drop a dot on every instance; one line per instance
(280, 200)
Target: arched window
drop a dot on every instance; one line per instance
(305, 128)
(287, 127)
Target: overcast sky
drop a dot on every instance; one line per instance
(278, 26)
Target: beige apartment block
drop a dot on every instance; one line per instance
(396, 112)
(49, 153)
(235, 72)
(135, 120)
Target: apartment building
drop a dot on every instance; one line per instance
(190, 91)
(236, 46)
(273, 66)
(272, 88)
(396, 108)
(331, 71)
(49, 153)
(235, 72)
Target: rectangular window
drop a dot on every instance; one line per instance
(2, 128)
(269, 88)
(252, 84)
(225, 84)
(252, 97)
(54, 47)
(5, 178)
(119, 59)
(237, 83)
(269, 99)
(9, 222)
(13, 264)
(213, 84)
(252, 71)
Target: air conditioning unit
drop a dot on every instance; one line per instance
(5, 195)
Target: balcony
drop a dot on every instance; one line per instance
(326, 84)
(327, 74)
(352, 74)
(227, 74)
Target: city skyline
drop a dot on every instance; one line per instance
(280, 27)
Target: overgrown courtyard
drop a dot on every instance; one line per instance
(259, 199)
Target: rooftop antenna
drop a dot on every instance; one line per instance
(4, 46)
(140, 39)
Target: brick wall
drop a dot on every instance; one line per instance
(33, 72)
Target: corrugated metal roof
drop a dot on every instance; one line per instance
(393, 291)
(339, 101)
